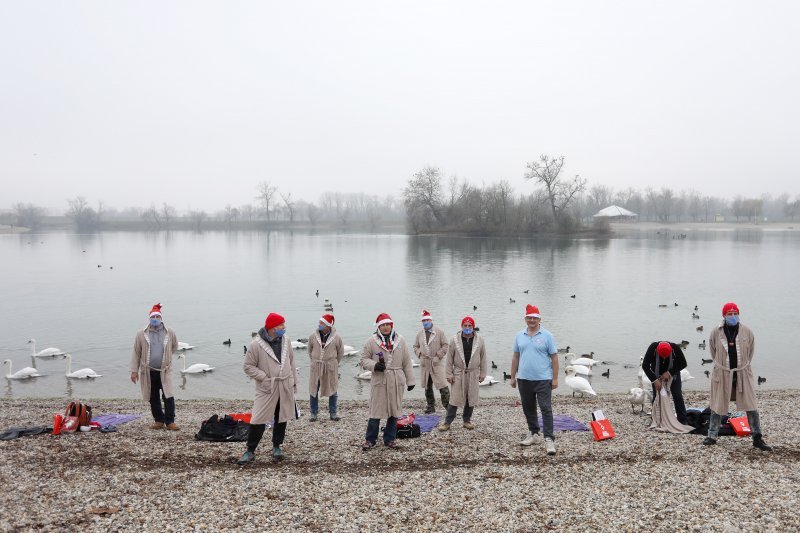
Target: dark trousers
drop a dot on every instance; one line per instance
(389, 433)
(167, 414)
(257, 431)
(531, 391)
(452, 410)
(430, 396)
(677, 396)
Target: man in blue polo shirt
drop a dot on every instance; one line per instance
(534, 367)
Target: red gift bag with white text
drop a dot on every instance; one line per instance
(740, 426)
(602, 429)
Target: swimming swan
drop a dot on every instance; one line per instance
(83, 373)
(47, 352)
(197, 368)
(25, 373)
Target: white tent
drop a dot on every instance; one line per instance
(615, 211)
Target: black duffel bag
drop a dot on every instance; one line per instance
(409, 431)
(224, 429)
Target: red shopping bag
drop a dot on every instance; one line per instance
(602, 429)
(405, 420)
(740, 426)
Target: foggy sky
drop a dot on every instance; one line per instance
(194, 103)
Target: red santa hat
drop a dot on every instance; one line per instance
(728, 307)
(156, 310)
(273, 320)
(426, 315)
(327, 320)
(468, 320)
(664, 349)
(532, 311)
(383, 318)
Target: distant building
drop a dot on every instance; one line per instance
(616, 213)
(719, 218)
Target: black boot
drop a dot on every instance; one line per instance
(431, 400)
(758, 442)
(445, 392)
(708, 441)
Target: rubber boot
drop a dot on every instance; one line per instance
(431, 401)
(445, 392)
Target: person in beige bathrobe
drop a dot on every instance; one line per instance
(270, 363)
(732, 345)
(326, 349)
(386, 355)
(151, 362)
(466, 368)
(430, 346)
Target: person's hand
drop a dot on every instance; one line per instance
(657, 385)
(481, 378)
(451, 380)
(380, 366)
(513, 383)
(134, 376)
(410, 388)
(665, 376)
(554, 385)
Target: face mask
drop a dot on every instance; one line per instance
(322, 328)
(467, 331)
(732, 320)
(155, 322)
(279, 333)
(427, 325)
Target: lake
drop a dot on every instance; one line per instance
(88, 294)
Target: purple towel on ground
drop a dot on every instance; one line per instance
(426, 422)
(114, 419)
(565, 423)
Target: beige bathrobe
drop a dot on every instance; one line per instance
(466, 379)
(386, 389)
(722, 374)
(664, 417)
(324, 363)
(275, 380)
(140, 361)
(431, 357)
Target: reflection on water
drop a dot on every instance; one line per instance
(219, 285)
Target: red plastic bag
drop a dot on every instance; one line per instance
(241, 417)
(406, 420)
(740, 426)
(602, 429)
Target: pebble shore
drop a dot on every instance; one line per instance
(480, 480)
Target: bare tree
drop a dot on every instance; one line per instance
(314, 213)
(792, 209)
(152, 217)
(424, 192)
(290, 205)
(694, 205)
(247, 212)
(547, 172)
(197, 218)
(167, 214)
(266, 192)
(230, 215)
(373, 216)
(28, 215)
(84, 217)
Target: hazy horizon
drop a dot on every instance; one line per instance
(194, 104)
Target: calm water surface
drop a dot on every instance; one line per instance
(216, 286)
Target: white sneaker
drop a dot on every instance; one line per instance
(533, 438)
(550, 446)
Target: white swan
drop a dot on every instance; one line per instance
(366, 375)
(583, 370)
(487, 381)
(83, 373)
(47, 352)
(197, 368)
(297, 345)
(183, 346)
(644, 381)
(576, 383)
(585, 361)
(25, 373)
(685, 375)
(637, 396)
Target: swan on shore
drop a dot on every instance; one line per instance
(83, 373)
(637, 396)
(47, 352)
(26, 373)
(583, 370)
(576, 383)
(197, 368)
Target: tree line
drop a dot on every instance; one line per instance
(562, 204)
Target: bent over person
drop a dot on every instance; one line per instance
(326, 349)
(270, 363)
(732, 345)
(430, 346)
(386, 355)
(662, 364)
(151, 363)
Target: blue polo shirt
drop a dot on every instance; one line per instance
(534, 354)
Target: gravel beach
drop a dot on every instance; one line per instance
(479, 480)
